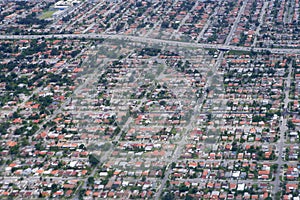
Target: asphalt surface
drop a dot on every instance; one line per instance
(152, 41)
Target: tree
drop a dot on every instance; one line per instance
(91, 180)
(143, 178)
(55, 52)
(3, 128)
(189, 197)
(82, 146)
(14, 149)
(183, 188)
(290, 124)
(39, 146)
(93, 160)
(81, 193)
(54, 187)
(168, 196)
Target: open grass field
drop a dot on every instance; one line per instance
(47, 14)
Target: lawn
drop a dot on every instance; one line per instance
(47, 14)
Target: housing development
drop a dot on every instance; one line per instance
(149, 99)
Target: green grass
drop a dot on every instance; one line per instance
(47, 14)
(238, 52)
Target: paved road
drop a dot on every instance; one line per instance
(89, 80)
(226, 46)
(283, 129)
(158, 22)
(261, 20)
(208, 22)
(196, 111)
(235, 24)
(24, 101)
(175, 33)
(179, 148)
(236, 181)
(61, 107)
(37, 178)
(66, 13)
(153, 41)
(83, 16)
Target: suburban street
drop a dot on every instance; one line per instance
(149, 99)
(175, 33)
(261, 18)
(283, 130)
(237, 20)
(209, 21)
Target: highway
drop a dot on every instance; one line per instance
(197, 109)
(151, 41)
